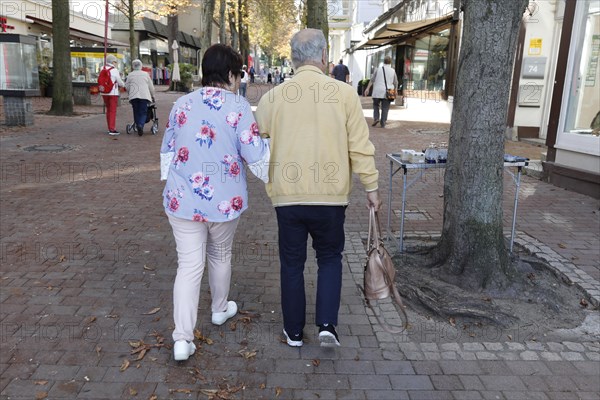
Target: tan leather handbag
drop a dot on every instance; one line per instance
(380, 274)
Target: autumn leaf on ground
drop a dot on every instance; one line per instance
(62, 258)
(153, 397)
(41, 395)
(198, 335)
(90, 320)
(141, 355)
(153, 311)
(316, 362)
(562, 246)
(147, 268)
(186, 391)
(125, 365)
(40, 382)
(132, 392)
(111, 316)
(98, 350)
(247, 353)
(583, 303)
(452, 321)
(262, 386)
(278, 391)
(135, 344)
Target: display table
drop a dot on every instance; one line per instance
(396, 164)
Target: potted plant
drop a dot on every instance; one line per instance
(46, 80)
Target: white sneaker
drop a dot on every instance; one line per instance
(183, 350)
(219, 318)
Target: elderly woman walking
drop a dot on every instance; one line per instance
(141, 92)
(209, 133)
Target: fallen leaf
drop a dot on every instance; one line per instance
(186, 391)
(156, 319)
(153, 397)
(198, 335)
(262, 386)
(153, 311)
(90, 320)
(125, 365)
(488, 299)
(247, 354)
(316, 362)
(62, 258)
(111, 316)
(509, 337)
(98, 350)
(562, 246)
(135, 344)
(278, 391)
(583, 303)
(132, 392)
(40, 382)
(141, 355)
(147, 268)
(41, 395)
(471, 334)
(452, 321)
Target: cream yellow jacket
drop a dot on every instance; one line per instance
(319, 137)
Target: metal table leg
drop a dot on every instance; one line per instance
(514, 221)
(404, 185)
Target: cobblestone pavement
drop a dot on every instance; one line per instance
(88, 262)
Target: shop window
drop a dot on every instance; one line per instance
(583, 110)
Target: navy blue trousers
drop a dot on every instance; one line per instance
(325, 225)
(140, 111)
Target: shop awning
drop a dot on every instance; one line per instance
(77, 34)
(396, 33)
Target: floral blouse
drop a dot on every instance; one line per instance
(210, 132)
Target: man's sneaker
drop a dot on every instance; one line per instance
(328, 336)
(294, 340)
(183, 350)
(219, 318)
(114, 133)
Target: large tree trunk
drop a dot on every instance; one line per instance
(172, 30)
(207, 8)
(316, 16)
(62, 94)
(222, 22)
(472, 247)
(243, 30)
(132, 43)
(233, 25)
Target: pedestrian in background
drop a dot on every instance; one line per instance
(141, 93)
(325, 139)
(209, 132)
(111, 99)
(252, 73)
(341, 72)
(382, 79)
(244, 81)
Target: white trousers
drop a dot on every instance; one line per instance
(197, 241)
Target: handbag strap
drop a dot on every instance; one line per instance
(384, 80)
(373, 242)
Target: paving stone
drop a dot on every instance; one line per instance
(529, 356)
(428, 395)
(446, 382)
(393, 368)
(466, 395)
(411, 382)
(493, 346)
(502, 383)
(572, 346)
(473, 347)
(426, 368)
(571, 356)
(365, 382)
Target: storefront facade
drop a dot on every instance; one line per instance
(422, 40)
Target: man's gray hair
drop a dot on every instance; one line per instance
(110, 59)
(307, 46)
(136, 65)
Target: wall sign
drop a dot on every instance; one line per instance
(535, 47)
(534, 67)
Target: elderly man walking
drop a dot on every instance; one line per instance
(318, 137)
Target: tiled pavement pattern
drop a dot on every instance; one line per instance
(88, 258)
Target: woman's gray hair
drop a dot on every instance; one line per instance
(110, 59)
(136, 65)
(307, 46)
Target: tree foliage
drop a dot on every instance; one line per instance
(271, 25)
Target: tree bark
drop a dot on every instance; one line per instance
(316, 16)
(472, 248)
(172, 30)
(62, 93)
(233, 25)
(207, 8)
(222, 22)
(132, 42)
